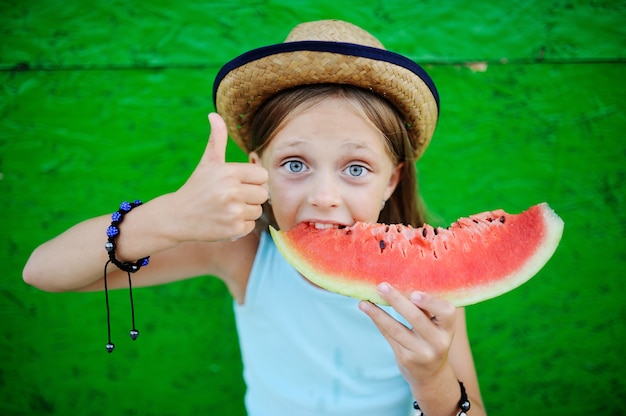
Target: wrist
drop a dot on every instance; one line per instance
(164, 223)
(177, 219)
(113, 232)
(438, 394)
(463, 405)
(145, 232)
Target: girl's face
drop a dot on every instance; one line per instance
(329, 166)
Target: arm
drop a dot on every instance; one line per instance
(218, 203)
(433, 354)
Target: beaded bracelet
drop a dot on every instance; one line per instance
(464, 404)
(113, 231)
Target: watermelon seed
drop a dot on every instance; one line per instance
(424, 232)
(382, 245)
(502, 219)
(435, 231)
(475, 220)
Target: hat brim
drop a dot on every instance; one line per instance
(244, 83)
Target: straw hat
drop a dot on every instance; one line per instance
(326, 52)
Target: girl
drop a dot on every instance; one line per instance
(333, 124)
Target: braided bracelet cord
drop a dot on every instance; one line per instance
(113, 231)
(464, 403)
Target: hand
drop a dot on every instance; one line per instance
(421, 350)
(220, 201)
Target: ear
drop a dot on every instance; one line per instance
(254, 158)
(394, 180)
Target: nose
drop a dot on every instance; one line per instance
(325, 192)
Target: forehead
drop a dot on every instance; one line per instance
(334, 121)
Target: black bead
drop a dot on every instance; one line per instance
(465, 406)
(109, 246)
(110, 346)
(134, 334)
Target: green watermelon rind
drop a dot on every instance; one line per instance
(463, 296)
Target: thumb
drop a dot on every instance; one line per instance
(216, 147)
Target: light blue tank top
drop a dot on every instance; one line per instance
(309, 352)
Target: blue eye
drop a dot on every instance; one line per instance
(356, 170)
(294, 166)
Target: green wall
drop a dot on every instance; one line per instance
(107, 100)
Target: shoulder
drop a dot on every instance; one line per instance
(231, 261)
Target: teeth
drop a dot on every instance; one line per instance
(322, 226)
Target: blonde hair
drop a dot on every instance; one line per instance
(404, 206)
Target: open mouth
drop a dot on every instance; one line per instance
(324, 225)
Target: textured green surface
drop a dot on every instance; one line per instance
(105, 100)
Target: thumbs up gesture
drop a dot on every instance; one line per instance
(220, 200)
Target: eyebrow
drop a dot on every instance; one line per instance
(358, 147)
(290, 145)
(355, 145)
(349, 145)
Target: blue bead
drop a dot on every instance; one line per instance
(125, 206)
(112, 231)
(145, 261)
(116, 216)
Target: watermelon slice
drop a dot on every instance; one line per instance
(475, 259)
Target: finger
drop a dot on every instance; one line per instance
(254, 194)
(396, 333)
(253, 212)
(215, 150)
(241, 217)
(439, 311)
(248, 227)
(249, 173)
(401, 304)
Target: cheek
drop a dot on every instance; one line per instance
(277, 189)
(365, 206)
(284, 203)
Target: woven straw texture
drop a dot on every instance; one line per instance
(244, 89)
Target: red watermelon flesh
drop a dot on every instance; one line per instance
(475, 259)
